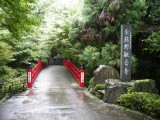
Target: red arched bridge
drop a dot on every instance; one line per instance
(79, 75)
(55, 95)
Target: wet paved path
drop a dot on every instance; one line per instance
(56, 96)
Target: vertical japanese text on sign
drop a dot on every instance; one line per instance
(126, 46)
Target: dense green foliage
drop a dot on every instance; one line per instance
(17, 19)
(153, 43)
(12, 87)
(90, 56)
(144, 102)
(104, 18)
(86, 31)
(101, 29)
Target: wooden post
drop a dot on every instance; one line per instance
(82, 76)
(29, 76)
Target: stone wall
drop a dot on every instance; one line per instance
(114, 88)
(146, 85)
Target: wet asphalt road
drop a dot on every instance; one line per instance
(56, 96)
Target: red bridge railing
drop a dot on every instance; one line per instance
(32, 73)
(78, 74)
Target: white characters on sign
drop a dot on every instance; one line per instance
(82, 77)
(126, 32)
(130, 45)
(29, 77)
(126, 71)
(126, 62)
(126, 39)
(126, 46)
(126, 54)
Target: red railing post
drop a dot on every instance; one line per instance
(82, 76)
(32, 73)
(29, 76)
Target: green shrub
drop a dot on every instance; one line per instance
(130, 89)
(145, 102)
(18, 84)
(110, 55)
(95, 91)
(99, 87)
(91, 82)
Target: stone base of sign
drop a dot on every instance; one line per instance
(114, 88)
(146, 85)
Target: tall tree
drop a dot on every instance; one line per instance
(16, 16)
(16, 20)
(103, 18)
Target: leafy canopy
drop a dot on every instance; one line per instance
(16, 16)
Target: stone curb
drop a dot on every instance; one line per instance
(4, 99)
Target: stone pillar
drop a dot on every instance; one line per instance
(126, 47)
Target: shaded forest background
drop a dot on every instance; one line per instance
(86, 31)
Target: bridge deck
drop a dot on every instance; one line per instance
(56, 96)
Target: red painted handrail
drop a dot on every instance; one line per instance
(78, 74)
(33, 73)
